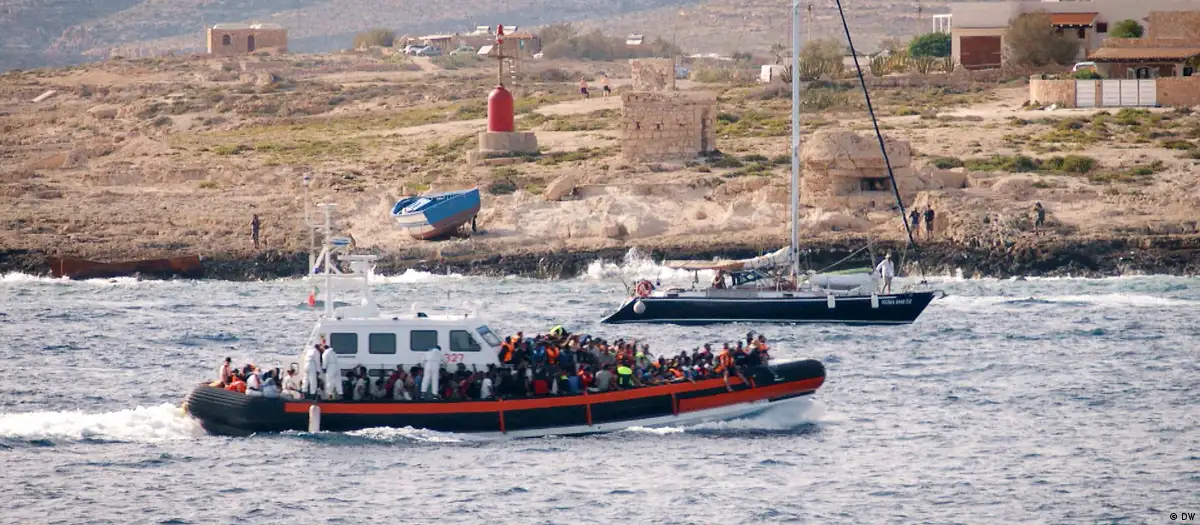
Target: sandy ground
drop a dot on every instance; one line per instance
(161, 158)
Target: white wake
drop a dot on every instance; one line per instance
(157, 423)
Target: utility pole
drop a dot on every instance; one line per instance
(808, 24)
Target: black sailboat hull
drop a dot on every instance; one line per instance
(902, 308)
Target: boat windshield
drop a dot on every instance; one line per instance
(488, 336)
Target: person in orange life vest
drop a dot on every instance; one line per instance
(763, 349)
(552, 355)
(726, 364)
(506, 351)
(585, 376)
(236, 384)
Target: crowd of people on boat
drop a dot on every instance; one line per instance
(552, 364)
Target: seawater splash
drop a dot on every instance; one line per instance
(413, 276)
(157, 423)
(637, 265)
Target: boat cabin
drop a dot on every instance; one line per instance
(380, 344)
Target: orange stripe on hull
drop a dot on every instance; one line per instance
(746, 396)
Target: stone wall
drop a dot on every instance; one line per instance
(836, 162)
(653, 74)
(665, 126)
(1178, 91)
(1061, 92)
(1183, 25)
(274, 40)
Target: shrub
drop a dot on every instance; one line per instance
(1178, 144)
(562, 40)
(945, 163)
(930, 45)
(1077, 164)
(374, 37)
(1126, 29)
(754, 157)
(1086, 74)
(502, 187)
(1031, 40)
(456, 61)
(727, 162)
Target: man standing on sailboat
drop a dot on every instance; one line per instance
(887, 271)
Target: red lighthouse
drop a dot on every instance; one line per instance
(500, 101)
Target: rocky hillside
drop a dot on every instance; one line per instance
(35, 33)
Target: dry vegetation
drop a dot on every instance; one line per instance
(155, 157)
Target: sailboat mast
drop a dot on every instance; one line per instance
(795, 201)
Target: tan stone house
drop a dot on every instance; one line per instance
(977, 28)
(228, 39)
(1169, 48)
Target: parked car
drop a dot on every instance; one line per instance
(1084, 66)
(430, 51)
(412, 49)
(682, 72)
(463, 50)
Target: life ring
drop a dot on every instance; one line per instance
(644, 288)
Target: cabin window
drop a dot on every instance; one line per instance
(1101, 27)
(1082, 33)
(381, 343)
(873, 184)
(422, 340)
(487, 335)
(461, 341)
(344, 343)
(225, 40)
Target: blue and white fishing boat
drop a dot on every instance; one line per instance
(438, 214)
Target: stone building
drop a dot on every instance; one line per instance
(661, 124)
(1169, 48)
(229, 39)
(845, 170)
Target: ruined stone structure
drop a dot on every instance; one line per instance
(661, 124)
(845, 170)
(664, 126)
(238, 39)
(653, 74)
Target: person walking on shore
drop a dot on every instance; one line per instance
(914, 222)
(254, 225)
(1041, 217)
(604, 85)
(928, 223)
(583, 89)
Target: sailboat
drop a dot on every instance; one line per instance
(771, 288)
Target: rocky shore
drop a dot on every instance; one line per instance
(1077, 257)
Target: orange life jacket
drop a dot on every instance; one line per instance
(675, 372)
(552, 355)
(724, 361)
(506, 352)
(237, 386)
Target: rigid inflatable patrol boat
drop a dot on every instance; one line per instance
(363, 336)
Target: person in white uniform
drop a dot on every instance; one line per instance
(312, 368)
(333, 374)
(887, 271)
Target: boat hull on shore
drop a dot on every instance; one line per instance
(711, 308)
(230, 413)
(434, 216)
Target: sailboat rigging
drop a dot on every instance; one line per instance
(771, 288)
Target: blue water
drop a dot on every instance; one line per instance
(1040, 401)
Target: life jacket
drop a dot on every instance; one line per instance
(552, 355)
(625, 376)
(724, 361)
(586, 377)
(675, 373)
(506, 352)
(237, 386)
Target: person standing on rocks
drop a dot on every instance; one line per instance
(914, 222)
(928, 223)
(254, 225)
(1041, 218)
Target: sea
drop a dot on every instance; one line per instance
(1055, 401)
